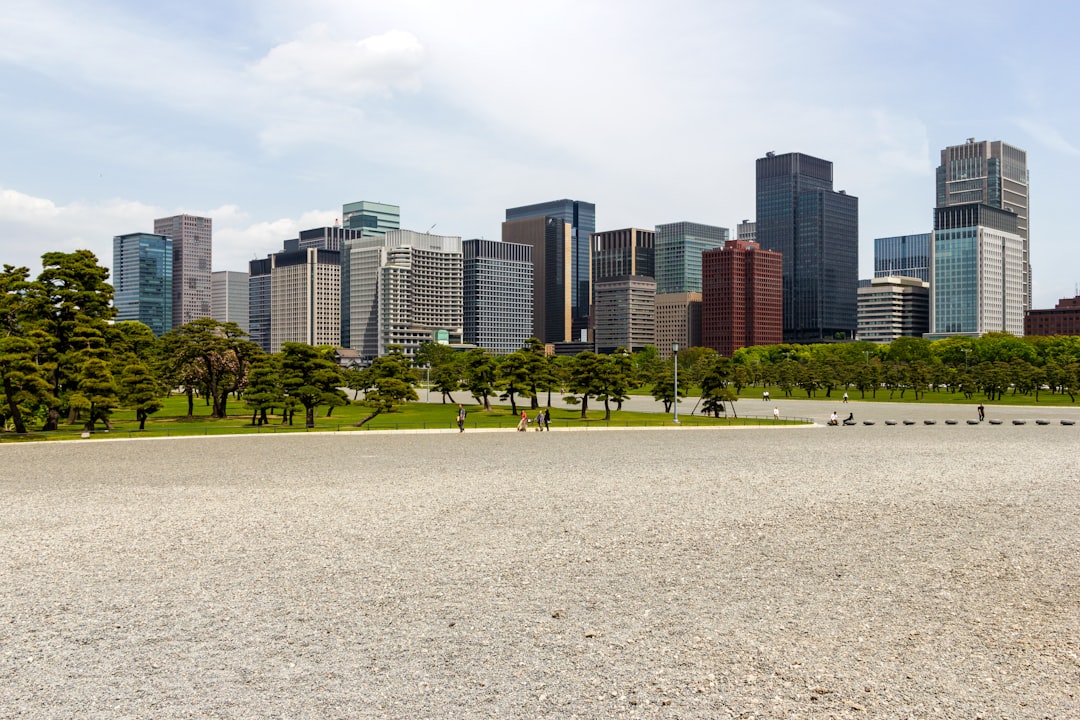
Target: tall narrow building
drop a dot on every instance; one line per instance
(559, 233)
(142, 278)
(816, 229)
(192, 238)
(497, 294)
(231, 298)
(992, 173)
(678, 321)
(741, 299)
(259, 308)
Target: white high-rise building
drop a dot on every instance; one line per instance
(993, 173)
(230, 297)
(977, 279)
(404, 288)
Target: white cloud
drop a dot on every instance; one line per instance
(31, 226)
(318, 61)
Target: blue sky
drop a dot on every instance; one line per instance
(268, 115)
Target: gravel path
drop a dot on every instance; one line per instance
(902, 572)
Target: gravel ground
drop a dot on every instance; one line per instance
(800, 572)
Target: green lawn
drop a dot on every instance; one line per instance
(172, 421)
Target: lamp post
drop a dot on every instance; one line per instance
(675, 402)
(427, 381)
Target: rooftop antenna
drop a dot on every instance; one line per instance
(431, 228)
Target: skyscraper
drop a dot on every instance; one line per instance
(741, 299)
(630, 251)
(305, 297)
(497, 294)
(370, 218)
(903, 255)
(142, 277)
(992, 173)
(259, 308)
(405, 288)
(230, 297)
(817, 231)
(624, 309)
(192, 238)
(561, 262)
(678, 254)
(977, 272)
(678, 321)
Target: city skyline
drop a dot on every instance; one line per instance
(267, 118)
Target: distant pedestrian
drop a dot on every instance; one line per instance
(460, 418)
(765, 396)
(523, 423)
(982, 412)
(539, 420)
(845, 397)
(547, 419)
(776, 413)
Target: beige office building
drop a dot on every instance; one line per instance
(678, 321)
(305, 298)
(624, 313)
(891, 307)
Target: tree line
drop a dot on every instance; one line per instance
(64, 361)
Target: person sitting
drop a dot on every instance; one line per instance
(833, 420)
(850, 419)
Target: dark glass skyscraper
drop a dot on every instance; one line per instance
(817, 231)
(574, 260)
(905, 255)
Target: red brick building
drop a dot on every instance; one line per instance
(741, 297)
(1064, 319)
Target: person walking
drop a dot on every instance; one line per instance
(460, 418)
(982, 412)
(539, 420)
(547, 419)
(845, 397)
(776, 413)
(523, 423)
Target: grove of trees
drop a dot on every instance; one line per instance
(63, 361)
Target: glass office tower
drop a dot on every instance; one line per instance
(903, 256)
(678, 254)
(574, 259)
(817, 231)
(142, 275)
(992, 173)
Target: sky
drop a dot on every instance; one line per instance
(268, 115)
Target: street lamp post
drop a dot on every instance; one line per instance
(675, 403)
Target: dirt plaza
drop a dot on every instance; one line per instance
(799, 572)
